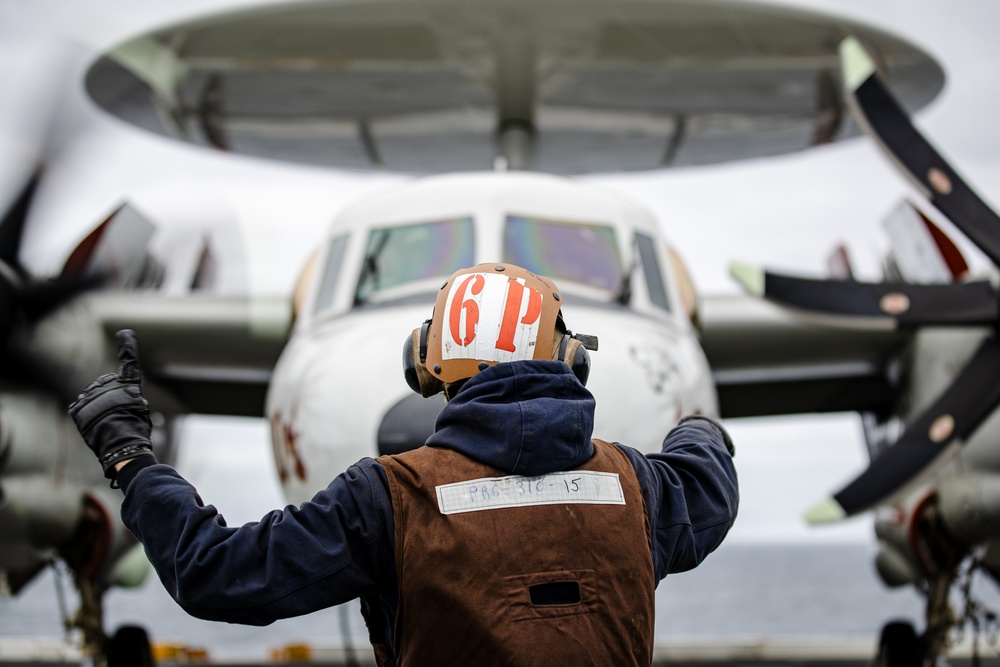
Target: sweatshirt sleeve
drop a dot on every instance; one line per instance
(293, 561)
(691, 493)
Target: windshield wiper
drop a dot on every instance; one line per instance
(624, 294)
(370, 266)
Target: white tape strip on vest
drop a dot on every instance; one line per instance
(568, 487)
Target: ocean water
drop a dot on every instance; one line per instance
(741, 591)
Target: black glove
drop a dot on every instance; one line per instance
(717, 426)
(111, 413)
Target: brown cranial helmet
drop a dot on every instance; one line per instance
(491, 314)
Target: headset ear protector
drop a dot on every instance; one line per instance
(415, 370)
(572, 350)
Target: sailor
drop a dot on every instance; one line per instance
(512, 537)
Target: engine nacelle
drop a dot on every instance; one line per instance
(970, 507)
(113, 556)
(70, 348)
(54, 499)
(894, 560)
(894, 567)
(39, 437)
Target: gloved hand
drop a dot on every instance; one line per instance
(726, 440)
(111, 413)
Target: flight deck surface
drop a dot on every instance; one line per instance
(803, 652)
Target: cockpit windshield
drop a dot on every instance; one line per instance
(564, 251)
(406, 253)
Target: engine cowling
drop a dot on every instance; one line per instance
(970, 507)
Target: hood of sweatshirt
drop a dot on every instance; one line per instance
(522, 417)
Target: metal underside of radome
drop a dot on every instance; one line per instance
(428, 86)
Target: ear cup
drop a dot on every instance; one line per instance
(414, 371)
(573, 352)
(409, 363)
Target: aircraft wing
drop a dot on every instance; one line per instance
(767, 360)
(201, 353)
(214, 354)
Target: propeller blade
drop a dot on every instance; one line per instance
(39, 298)
(900, 305)
(885, 120)
(947, 423)
(24, 300)
(11, 275)
(12, 223)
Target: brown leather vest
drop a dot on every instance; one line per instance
(521, 571)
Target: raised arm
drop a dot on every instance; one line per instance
(691, 493)
(291, 562)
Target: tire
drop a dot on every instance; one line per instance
(130, 648)
(899, 646)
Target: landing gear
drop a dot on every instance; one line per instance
(899, 646)
(89, 618)
(941, 618)
(129, 647)
(940, 558)
(88, 556)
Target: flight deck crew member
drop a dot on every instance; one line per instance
(510, 538)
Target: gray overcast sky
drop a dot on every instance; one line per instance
(785, 213)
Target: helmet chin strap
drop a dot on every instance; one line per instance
(452, 388)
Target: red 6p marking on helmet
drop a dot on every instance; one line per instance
(490, 314)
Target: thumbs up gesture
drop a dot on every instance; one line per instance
(111, 413)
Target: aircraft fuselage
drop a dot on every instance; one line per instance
(328, 402)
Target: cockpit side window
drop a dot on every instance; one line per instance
(564, 251)
(651, 271)
(402, 254)
(331, 274)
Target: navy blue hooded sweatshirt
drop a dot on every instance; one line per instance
(526, 417)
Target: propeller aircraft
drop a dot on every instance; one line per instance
(495, 112)
(933, 478)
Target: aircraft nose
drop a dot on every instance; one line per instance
(408, 423)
